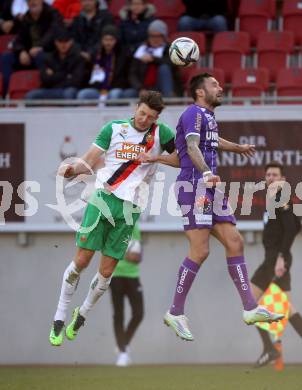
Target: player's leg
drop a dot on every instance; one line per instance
(98, 286)
(134, 293)
(260, 281)
(115, 238)
(198, 252)
(231, 239)
(69, 284)
(118, 292)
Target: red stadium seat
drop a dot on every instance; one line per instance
(292, 18)
(255, 16)
(273, 51)
(6, 43)
(22, 82)
(198, 37)
(169, 11)
(169, 8)
(250, 82)
(115, 7)
(289, 83)
(191, 72)
(229, 51)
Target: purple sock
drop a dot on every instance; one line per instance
(238, 271)
(186, 276)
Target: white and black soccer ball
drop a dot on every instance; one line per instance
(184, 51)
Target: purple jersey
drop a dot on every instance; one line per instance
(200, 121)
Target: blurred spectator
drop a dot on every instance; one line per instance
(135, 19)
(20, 7)
(34, 37)
(151, 66)
(204, 15)
(62, 71)
(108, 76)
(8, 25)
(87, 27)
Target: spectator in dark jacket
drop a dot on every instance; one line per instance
(35, 36)
(151, 66)
(87, 27)
(135, 19)
(62, 71)
(108, 77)
(204, 15)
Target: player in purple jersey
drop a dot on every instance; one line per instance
(197, 142)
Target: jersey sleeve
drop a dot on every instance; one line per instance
(192, 120)
(104, 138)
(167, 138)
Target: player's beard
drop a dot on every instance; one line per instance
(212, 101)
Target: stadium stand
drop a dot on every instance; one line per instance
(289, 83)
(229, 51)
(273, 51)
(169, 11)
(255, 16)
(22, 82)
(291, 19)
(6, 43)
(250, 82)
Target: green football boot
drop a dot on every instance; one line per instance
(77, 321)
(56, 335)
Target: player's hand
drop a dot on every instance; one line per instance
(66, 171)
(211, 179)
(145, 157)
(280, 267)
(247, 150)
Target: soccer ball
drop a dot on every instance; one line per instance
(184, 51)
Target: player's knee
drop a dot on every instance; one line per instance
(235, 244)
(83, 258)
(200, 255)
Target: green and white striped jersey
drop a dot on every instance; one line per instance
(122, 143)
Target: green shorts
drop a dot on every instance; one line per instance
(107, 224)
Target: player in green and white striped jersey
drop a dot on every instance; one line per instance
(114, 208)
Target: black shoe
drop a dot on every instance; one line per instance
(267, 357)
(57, 327)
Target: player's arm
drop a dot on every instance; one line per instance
(134, 252)
(166, 159)
(198, 160)
(228, 146)
(84, 164)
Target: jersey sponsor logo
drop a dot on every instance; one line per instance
(130, 151)
(211, 122)
(182, 280)
(124, 132)
(198, 121)
(244, 286)
(203, 219)
(204, 203)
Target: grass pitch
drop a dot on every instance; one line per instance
(176, 377)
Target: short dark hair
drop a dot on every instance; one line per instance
(197, 82)
(275, 164)
(152, 99)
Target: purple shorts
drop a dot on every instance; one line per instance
(201, 207)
